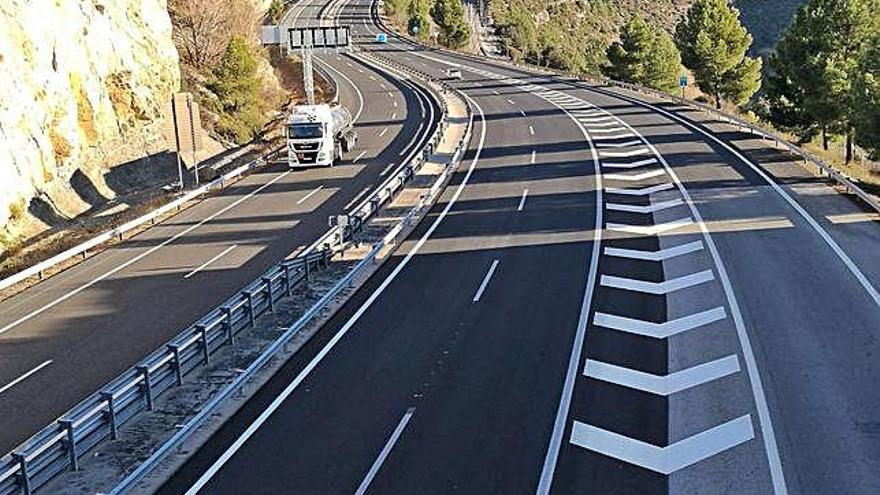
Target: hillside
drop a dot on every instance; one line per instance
(85, 84)
(572, 34)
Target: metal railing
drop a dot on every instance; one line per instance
(744, 126)
(151, 217)
(307, 318)
(59, 446)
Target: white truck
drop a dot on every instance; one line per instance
(318, 135)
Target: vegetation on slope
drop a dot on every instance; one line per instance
(223, 65)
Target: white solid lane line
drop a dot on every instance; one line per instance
(522, 201)
(359, 156)
(374, 469)
(486, 279)
(309, 195)
(205, 264)
(25, 376)
(276, 403)
(141, 256)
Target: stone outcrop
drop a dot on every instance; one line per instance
(83, 88)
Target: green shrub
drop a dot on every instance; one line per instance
(276, 8)
(237, 86)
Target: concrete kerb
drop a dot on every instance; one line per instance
(387, 225)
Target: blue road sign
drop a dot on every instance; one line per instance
(381, 38)
(683, 80)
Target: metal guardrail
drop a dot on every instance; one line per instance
(118, 232)
(381, 195)
(824, 168)
(59, 446)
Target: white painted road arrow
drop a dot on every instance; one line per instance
(659, 228)
(665, 460)
(661, 255)
(659, 330)
(657, 288)
(633, 177)
(662, 385)
(663, 205)
(636, 164)
(639, 192)
(623, 154)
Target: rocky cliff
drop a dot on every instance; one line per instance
(83, 88)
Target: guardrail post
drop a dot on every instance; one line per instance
(24, 477)
(250, 300)
(230, 332)
(203, 334)
(175, 353)
(70, 443)
(147, 386)
(308, 273)
(110, 413)
(268, 282)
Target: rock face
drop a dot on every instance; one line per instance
(84, 85)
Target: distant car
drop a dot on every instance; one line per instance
(453, 74)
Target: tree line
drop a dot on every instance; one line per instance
(822, 80)
(420, 16)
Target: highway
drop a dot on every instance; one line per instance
(613, 296)
(68, 336)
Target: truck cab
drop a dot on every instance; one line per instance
(318, 135)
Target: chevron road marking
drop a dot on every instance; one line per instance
(639, 192)
(659, 228)
(607, 131)
(657, 288)
(636, 177)
(664, 460)
(661, 255)
(624, 144)
(624, 154)
(659, 330)
(612, 137)
(599, 123)
(636, 164)
(655, 207)
(662, 385)
(595, 120)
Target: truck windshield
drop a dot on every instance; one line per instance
(305, 131)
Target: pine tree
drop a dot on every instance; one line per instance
(237, 87)
(419, 22)
(713, 44)
(866, 96)
(644, 55)
(450, 17)
(810, 89)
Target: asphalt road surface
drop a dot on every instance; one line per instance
(614, 295)
(66, 337)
